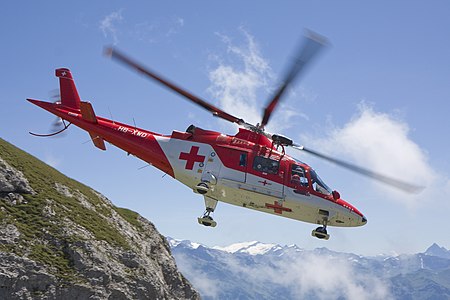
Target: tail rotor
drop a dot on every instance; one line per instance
(58, 125)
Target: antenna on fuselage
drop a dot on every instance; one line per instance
(110, 115)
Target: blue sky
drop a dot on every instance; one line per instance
(377, 96)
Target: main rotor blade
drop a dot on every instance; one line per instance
(172, 86)
(404, 186)
(313, 43)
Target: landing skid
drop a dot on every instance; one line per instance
(207, 221)
(320, 233)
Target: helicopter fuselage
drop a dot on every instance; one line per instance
(246, 170)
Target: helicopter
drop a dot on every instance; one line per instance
(250, 169)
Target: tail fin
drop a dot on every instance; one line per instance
(69, 93)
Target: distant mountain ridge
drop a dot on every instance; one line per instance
(252, 248)
(436, 250)
(254, 270)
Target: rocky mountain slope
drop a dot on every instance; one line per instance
(59, 239)
(255, 270)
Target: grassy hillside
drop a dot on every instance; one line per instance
(36, 226)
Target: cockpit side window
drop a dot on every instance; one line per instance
(298, 176)
(243, 159)
(266, 165)
(318, 184)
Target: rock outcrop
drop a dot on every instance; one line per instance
(12, 180)
(60, 239)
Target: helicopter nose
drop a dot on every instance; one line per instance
(364, 220)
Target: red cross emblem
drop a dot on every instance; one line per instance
(277, 208)
(191, 157)
(265, 182)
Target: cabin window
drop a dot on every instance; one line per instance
(243, 159)
(266, 165)
(318, 184)
(298, 176)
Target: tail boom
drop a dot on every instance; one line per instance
(135, 141)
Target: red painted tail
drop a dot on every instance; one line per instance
(69, 93)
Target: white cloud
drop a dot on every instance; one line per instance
(376, 141)
(237, 79)
(381, 143)
(201, 281)
(306, 276)
(108, 25)
(331, 278)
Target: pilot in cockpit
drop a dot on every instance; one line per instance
(298, 176)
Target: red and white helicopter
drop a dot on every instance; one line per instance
(249, 169)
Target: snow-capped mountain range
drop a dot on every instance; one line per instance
(255, 270)
(255, 248)
(250, 248)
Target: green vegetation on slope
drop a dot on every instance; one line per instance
(36, 226)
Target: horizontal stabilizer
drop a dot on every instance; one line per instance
(98, 141)
(88, 114)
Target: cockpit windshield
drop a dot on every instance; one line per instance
(318, 184)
